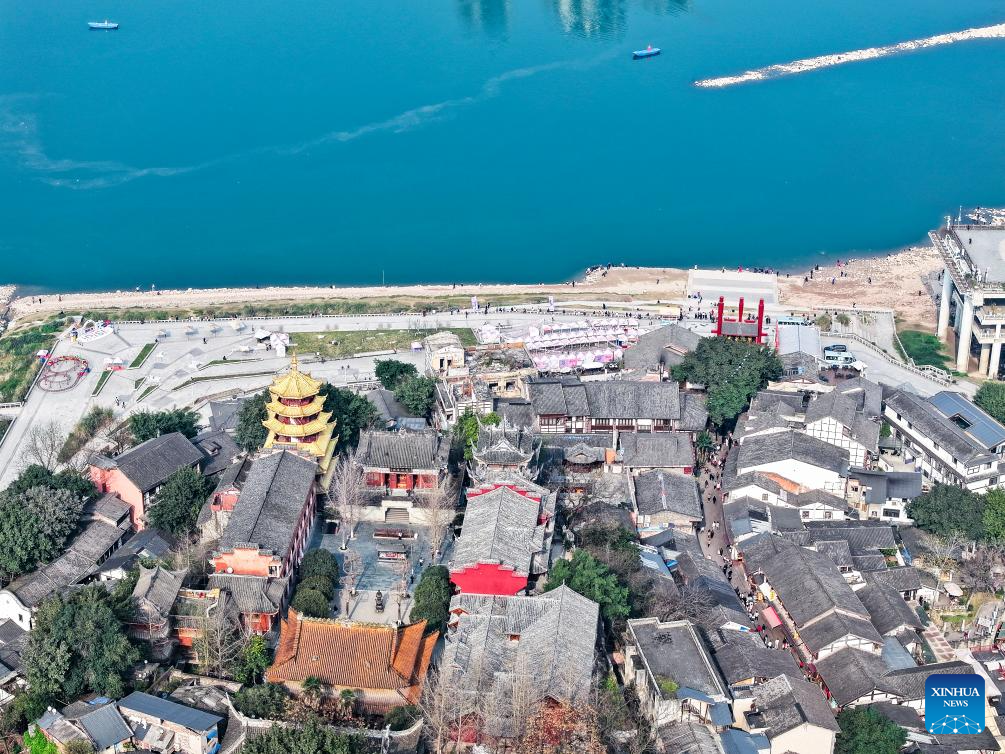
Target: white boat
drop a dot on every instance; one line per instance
(105, 25)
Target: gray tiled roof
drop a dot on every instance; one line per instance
(901, 579)
(517, 411)
(155, 592)
(887, 608)
(218, 449)
(271, 502)
(388, 407)
(164, 709)
(251, 594)
(503, 526)
(910, 682)
(743, 656)
(863, 537)
(401, 450)
(665, 345)
(676, 650)
(701, 573)
(13, 639)
(609, 399)
(557, 632)
(782, 446)
(733, 480)
(225, 414)
(837, 550)
(867, 394)
(664, 491)
(817, 497)
(110, 508)
(785, 703)
(850, 674)
(505, 444)
(835, 626)
(146, 543)
(929, 422)
(78, 562)
(880, 486)
(105, 727)
(657, 450)
(150, 463)
(838, 406)
(688, 738)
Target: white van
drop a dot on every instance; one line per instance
(841, 359)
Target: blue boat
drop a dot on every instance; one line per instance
(105, 25)
(649, 52)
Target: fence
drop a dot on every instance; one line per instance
(925, 370)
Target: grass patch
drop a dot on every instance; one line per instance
(146, 391)
(143, 355)
(339, 344)
(89, 425)
(101, 382)
(220, 362)
(210, 378)
(924, 348)
(18, 364)
(138, 383)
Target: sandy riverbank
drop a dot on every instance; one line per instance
(896, 279)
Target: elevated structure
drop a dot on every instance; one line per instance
(297, 419)
(972, 304)
(738, 328)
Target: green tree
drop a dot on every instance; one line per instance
(431, 601)
(310, 738)
(319, 563)
(179, 501)
(37, 743)
(991, 397)
(266, 702)
(591, 578)
(34, 526)
(311, 603)
(321, 584)
(254, 660)
(400, 718)
(250, 433)
(947, 509)
(466, 430)
(39, 476)
(146, 425)
(79, 746)
(352, 413)
(865, 731)
(732, 371)
(392, 372)
(417, 395)
(994, 515)
(77, 645)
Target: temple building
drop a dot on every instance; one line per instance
(297, 420)
(739, 328)
(505, 448)
(972, 305)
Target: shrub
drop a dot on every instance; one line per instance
(319, 563)
(267, 701)
(321, 584)
(400, 718)
(312, 603)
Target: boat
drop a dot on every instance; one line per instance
(649, 52)
(105, 25)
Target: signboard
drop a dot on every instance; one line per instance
(954, 703)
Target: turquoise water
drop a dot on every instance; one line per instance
(210, 143)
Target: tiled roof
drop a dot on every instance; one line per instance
(676, 650)
(658, 450)
(105, 726)
(782, 446)
(743, 656)
(881, 486)
(401, 450)
(505, 444)
(164, 709)
(701, 573)
(902, 578)
(665, 345)
(218, 449)
(611, 399)
(863, 537)
(251, 594)
(271, 501)
(688, 738)
(155, 592)
(928, 421)
(850, 674)
(887, 608)
(910, 682)
(503, 526)
(494, 640)
(223, 415)
(835, 626)
(517, 411)
(110, 508)
(150, 463)
(664, 491)
(867, 394)
(354, 655)
(784, 703)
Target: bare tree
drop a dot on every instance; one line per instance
(219, 644)
(943, 554)
(346, 494)
(682, 603)
(440, 504)
(42, 444)
(441, 709)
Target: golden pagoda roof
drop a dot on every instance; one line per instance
(294, 412)
(322, 448)
(319, 424)
(295, 384)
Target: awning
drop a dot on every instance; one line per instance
(720, 714)
(687, 693)
(771, 617)
(953, 590)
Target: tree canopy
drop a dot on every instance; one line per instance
(146, 425)
(39, 476)
(267, 702)
(311, 603)
(179, 501)
(591, 578)
(34, 526)
(319, 563)
(947, 509)
(994, 515)
(432, 598)
(466, 430)
(417, 394)
(866, 731)
(392, 372)
(251, 433)
(310, 738)
(253, 661)
(991, 397)
(352, 412)
(732, 371)
(77, 645)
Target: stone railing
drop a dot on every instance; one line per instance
(925, 370)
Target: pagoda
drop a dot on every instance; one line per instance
(297, 420)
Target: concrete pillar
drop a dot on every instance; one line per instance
(966, 330)
(996, 357)
(947, 295)
(982, 365)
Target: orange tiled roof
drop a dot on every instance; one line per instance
(353, 655)
(786, 484)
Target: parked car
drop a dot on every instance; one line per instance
(836, 348)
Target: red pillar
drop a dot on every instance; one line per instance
(739, 314)
(760, 321)
(718, 326)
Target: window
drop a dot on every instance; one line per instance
(764, 497)
(828, 514)
(806, 514)
(891, 513)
